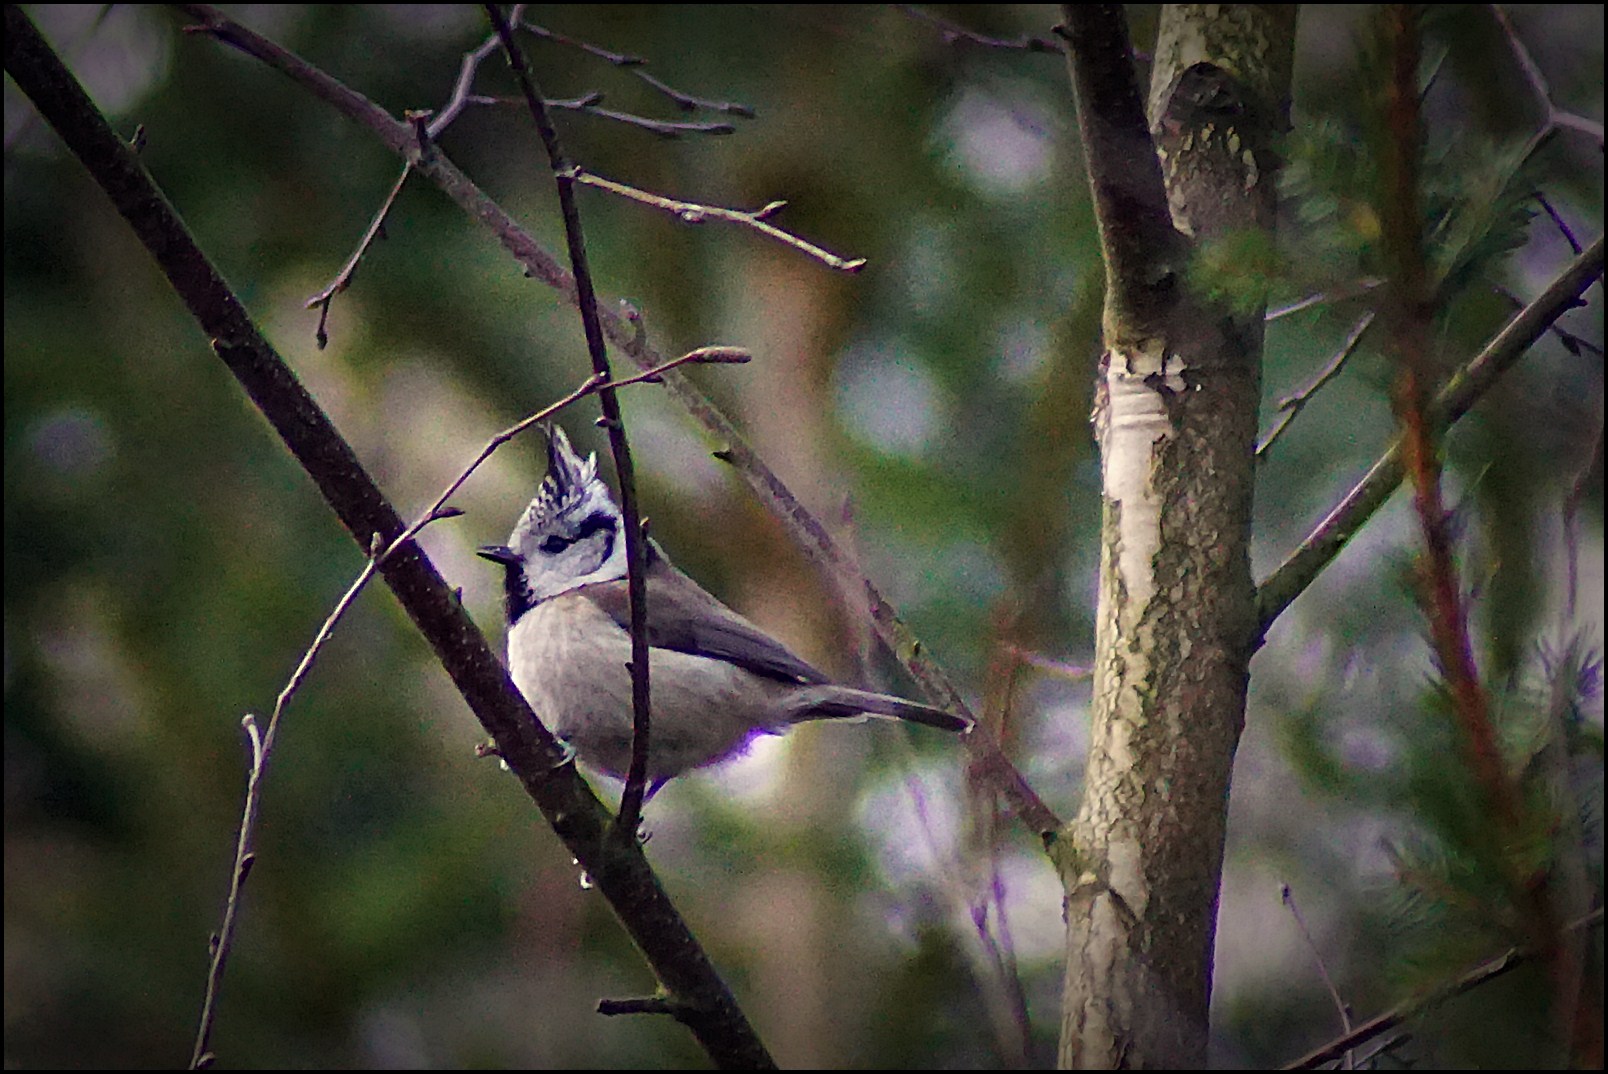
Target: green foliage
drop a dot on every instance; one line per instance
(1461, 878)
(1479, 201)
(1476, 196)
(1238, 270)
(1328, 189)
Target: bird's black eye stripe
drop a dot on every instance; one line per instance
(599, 520)
(554, 543)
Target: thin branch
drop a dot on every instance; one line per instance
(1557, 118)
(1292, 405)
(590, 105)
(664, 128)
(1490, 970)
(431, 125)
(636, 558)
(1558, 221)
(463, 89)
(462, 97)
(688, 103)
(1572, 343)
(1459, 395)
(1340, 1004)
(952, 32)
(618, 868)
(692, 213)
(611, 1008)
(1339, 294)
(638, 67)
(810, 535)
(262, 749)
(343, 278)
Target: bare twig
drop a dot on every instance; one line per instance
(664, 128)
(262, 749)
(953, 32)
(1558, 221)
(638, 67)
(688, 103)
(343, 278)
(462, 96)
(1340, 1004)
(1338, 294)
(1292, 405)
(1509, 960)
(1556, 117)
(432, 124)
(635, 549)
(463, 93)
(693, 213)
(591, 105)
(610, 1008)
(1574, 344)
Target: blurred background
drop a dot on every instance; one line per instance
(166, 563)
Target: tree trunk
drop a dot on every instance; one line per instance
(1175, 418)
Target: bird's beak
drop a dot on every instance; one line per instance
(498, 553)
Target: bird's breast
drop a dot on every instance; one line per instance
(571, 661)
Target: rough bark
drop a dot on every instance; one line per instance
(1175, 417)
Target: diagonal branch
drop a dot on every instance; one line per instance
(620, 871)
(1459, 395)
(262, 743)
(692, 213)
(637, 66)
(1512, 959)
(953, 32)
(1290, 406)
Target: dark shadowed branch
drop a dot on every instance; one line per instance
(1485, 972)
(620, 871)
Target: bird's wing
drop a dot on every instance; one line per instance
(683, 617)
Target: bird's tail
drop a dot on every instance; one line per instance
(846, 703)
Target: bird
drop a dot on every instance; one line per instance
(716, 681)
